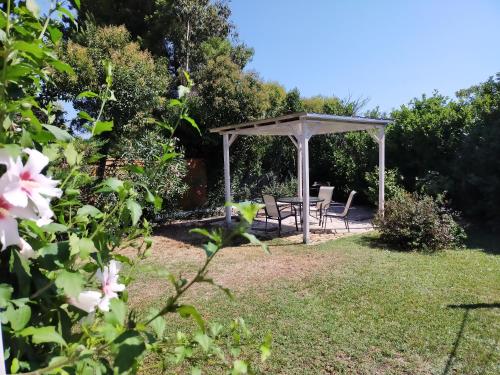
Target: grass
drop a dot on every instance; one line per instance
(370, 311)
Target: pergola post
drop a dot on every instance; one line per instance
(299, 169)
(227, 177)
(304, 147)
(381, 170)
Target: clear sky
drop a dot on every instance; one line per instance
(387, 50)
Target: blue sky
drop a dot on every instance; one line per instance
(387, 50)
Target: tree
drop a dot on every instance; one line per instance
(476, 166)
(175, 29)
(292, 102)
(140, 82)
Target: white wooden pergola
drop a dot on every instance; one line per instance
(300, 127)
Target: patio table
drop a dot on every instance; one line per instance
(297, 201)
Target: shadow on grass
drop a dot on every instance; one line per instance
(483, 238)
(181, 232)
(458, 339)
(375, 242)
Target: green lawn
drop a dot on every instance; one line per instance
(363, 309)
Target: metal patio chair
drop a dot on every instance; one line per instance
(275, 212)
(343, 215)
(325, 193)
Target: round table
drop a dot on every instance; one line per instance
(299, 202)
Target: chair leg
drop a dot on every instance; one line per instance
(346, 222)
(279, 227)
(265, 229)
(296, 224)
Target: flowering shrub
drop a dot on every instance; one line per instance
(63, 302)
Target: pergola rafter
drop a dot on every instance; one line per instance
(300, 127)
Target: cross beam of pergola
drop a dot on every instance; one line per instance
(300, 127)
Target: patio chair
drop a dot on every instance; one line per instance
(274, 212)
(325, 193)
(343, 215)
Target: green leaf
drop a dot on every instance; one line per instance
(239, 367)
(66, 12)
(187, 311)
(210, 248)
(55, 34)
(71, 282)
(14, 72)
(60, 134)
(101, 127)
(43, 335)
(14, 367)
(82, 246)
(88, 210)
(158, 324)
(174, 103)
(33, 48)
(204, 341)
(192, 122)
(57, 361)
(63, 67)
(71, 154)
(87, 94)
(168, 156)
(26, 140)
(114, 184)
(55, 228)
(255, 241)
(117, 313)
(195, 371)
(5, 294)
(135, 169)
(213, 236)
(84, 115)
(135, 210)
(18, 318)
(247, 210)
(265, 348)
(129, 346)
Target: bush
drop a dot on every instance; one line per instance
(392, 185)
(163, 179)
(418, 222)
(282, 189)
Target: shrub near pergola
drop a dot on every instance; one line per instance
(299, 128)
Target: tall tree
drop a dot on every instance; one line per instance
(140, 82)
(175, 29)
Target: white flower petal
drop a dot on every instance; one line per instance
(16, 197)
(9, 234)
(36, 161)
(47, 186)
(23, 213)
(42, 205)
(86, 301)
(26, 250)
(115, 287)
(104, 303)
